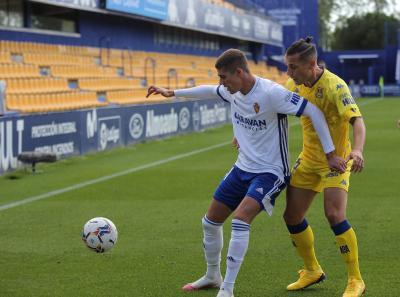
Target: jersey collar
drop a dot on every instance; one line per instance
(318, 79)
(253, 88)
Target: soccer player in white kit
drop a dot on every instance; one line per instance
(259, 108)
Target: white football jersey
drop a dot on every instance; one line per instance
(260, 125)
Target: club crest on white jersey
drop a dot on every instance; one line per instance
(260, 125)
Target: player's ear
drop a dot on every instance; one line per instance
(239, 72)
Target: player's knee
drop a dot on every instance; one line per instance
(292, 218)
(286, 217)
(209, 224)
(334, 216)
(243, 216)
(246, 214)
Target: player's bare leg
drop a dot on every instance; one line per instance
(243, 216)
(212, 242)
(297, 203)
(335, 203)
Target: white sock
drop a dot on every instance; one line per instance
(212, 243)
(236, 252)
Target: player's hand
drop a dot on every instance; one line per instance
(358, 161)
(336, 163)
(156, 91)
(235, 143)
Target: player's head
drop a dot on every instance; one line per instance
(232, 69)
(301, 60)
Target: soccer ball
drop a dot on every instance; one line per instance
(99, 234)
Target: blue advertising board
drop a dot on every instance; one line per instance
(193, 14)
(374, 90)
(101, 129)
(391, 90)
(79, 132)
(156, 9)
(48, 133)
(205, 16)
(298, 18)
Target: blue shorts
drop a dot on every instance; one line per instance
(263, 187)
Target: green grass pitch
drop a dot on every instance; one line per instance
(158, 214)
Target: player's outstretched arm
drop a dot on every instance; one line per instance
(156, 91)
(356, 154)
(199, 92)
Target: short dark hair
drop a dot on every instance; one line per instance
(303, 47)
(232, 59)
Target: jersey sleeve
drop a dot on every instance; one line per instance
(344, 102)
(286, 102)
(201, 92)
(223, 93)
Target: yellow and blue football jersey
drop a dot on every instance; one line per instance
(332, 96)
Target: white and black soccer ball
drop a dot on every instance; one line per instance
(99, 234)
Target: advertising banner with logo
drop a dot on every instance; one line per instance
(375, 90)
(59, 134)
(206, 16)
(80, 132)
(391, 90)
(102, 129)
(11, 142)
(156, 9)
(78, 3)
(50, 133)
(193, 14)
(160, 120)
(154, 121)
(207, 114)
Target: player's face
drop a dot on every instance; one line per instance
(298, 70)
(231, 81)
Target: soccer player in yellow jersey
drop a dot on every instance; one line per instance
(311, 173)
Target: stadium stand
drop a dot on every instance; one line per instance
(44, 78)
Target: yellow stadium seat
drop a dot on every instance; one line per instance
(5, 57)
(40, 80)
(137, 96)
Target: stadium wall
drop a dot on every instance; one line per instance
(298, 19)
(79, 132)
(397, 75)
(390, 73)
(362, 74)
(115, 32)
(123, 32)
(365, 70)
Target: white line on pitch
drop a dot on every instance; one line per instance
(128, 171)
(108, 177)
